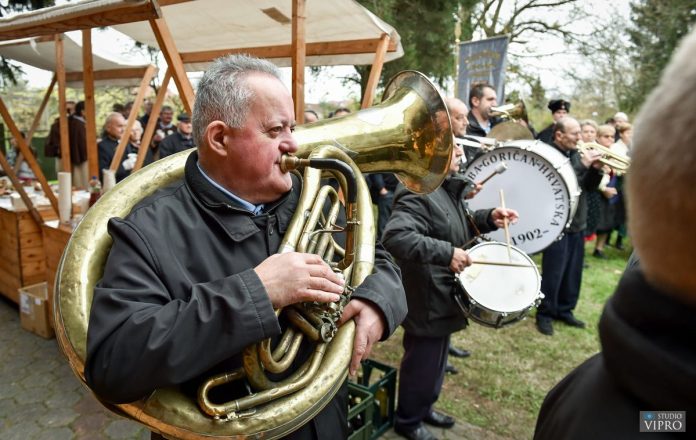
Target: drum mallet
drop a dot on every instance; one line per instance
(505, 223)
(500, 169)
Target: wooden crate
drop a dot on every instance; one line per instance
(55, 238)
(22, 256)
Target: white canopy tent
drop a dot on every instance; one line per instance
(336, 32)
(40, 52)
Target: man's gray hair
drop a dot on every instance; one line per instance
(223, 94)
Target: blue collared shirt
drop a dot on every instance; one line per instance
(255, 209)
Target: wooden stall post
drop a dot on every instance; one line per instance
(152, 122)
(35, 122)
(298, 57)
(90, 107)
(375, 71)
(65, 161)
(144, 84)
(171, 54)
(28, 156)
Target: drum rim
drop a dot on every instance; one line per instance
(534, 297)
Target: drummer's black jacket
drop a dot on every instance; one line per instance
(421, 234)
(179, 295)
(646, 364)
(588, 180)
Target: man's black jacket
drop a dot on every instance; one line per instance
(646, 364)
(179, 295)
(422, 233)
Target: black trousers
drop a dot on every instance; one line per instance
(561, 276)
(420, 378)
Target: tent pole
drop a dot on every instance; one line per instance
(90, 107)
(35, 123)
(65, 161)
(152, 122)
(298, 57)
(137, 103)
(28, 156)
(375, 71)
(171, 54)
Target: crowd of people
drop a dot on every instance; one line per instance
(168, 138)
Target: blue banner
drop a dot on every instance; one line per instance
(483, 60)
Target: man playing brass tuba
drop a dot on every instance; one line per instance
(193, 276)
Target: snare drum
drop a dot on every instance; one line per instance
(539, 183)
(495, 295)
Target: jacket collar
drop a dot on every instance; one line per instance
(455, 185)
(232, 216)
(647, 341)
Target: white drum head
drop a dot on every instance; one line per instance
(539, 183)
(501, 288)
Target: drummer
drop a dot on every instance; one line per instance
(427, 235)
(562, 262)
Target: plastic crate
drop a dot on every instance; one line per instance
(360, 407)
(380, 381)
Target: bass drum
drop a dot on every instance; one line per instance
(539, 183)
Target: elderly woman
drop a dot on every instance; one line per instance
(588, 130)
(612, 209)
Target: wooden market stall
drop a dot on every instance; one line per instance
(23, 260)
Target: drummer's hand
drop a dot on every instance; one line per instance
(369, 328)
(473, 192)
(499, 214)
(460, 260)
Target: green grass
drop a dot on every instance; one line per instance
(502, 385)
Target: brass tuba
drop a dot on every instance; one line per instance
(408, 134)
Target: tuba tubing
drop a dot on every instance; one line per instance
(408, 134)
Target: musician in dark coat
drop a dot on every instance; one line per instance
(194, 275)
(562, 261)
(427, 234)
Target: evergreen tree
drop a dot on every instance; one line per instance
(658, 26)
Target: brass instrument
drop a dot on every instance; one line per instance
(510, 129)
(408, 133)
(615, 161)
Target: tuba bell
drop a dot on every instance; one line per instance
(511, 128)
(408, 134)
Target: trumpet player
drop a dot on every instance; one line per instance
(482, 98)
(193, 276)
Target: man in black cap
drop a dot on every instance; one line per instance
(559, 109)
(180, 140)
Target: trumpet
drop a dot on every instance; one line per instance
(615, 161)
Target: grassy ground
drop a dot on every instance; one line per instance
(502, 385)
